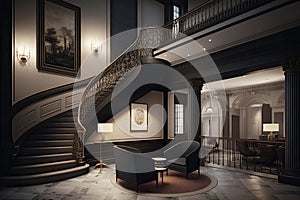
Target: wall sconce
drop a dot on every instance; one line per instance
(95, 46)
(23, 56)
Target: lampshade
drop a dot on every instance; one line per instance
(270, 127)
(99, 136)
(105, 128)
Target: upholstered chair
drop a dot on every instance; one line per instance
(184, 157)
(134, 167)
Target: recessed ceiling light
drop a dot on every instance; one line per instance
(188, 54)
(209, 40)
(204, 49)
(165, 55)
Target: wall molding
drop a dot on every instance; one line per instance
(18, 106)
(39, 107)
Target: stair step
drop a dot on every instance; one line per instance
(27, 151)
(64, 119)
(38, 159)
(52, 136)
(56, 130)
(60, 124)
(42, 168)
(44, 177)
(48, 143)
(69, 114)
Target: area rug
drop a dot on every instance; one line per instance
(174, 185)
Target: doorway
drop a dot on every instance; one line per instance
(235, 128)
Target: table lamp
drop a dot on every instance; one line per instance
(270, 128)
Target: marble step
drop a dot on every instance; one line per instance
(48, 143)
(42, 168)
(44, 150)
(24, 180)
(38, 159)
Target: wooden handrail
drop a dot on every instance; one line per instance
(243, 139)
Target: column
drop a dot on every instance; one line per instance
(291, 173)
(243, 122)
(197, 85)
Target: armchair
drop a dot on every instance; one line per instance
(246, 152)
(184, 157)
(133, 167)
(268, 155)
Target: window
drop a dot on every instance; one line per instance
(176, 11)
(179, 118)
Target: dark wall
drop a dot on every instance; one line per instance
(278, 118)
(123, 17)
(266, 113)
(5, 83)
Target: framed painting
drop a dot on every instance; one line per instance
(138, 117)
(58, 34)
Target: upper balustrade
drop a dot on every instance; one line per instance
(211, 13)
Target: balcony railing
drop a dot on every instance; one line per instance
(268, 156)
(210, 13)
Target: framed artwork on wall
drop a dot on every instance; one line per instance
(138, 117)
(58, 37)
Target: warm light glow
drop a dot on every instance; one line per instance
(270, 127)
(95, 45)
(23, 55)
(105, 127)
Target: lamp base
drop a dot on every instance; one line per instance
(101, 165)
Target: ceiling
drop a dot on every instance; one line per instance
(265, 76)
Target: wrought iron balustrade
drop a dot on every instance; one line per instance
(226, 152)
(210, 13)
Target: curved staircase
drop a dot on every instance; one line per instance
(46, 154)
(54, 150)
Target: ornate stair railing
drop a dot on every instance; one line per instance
(103, 84)
(210, 13)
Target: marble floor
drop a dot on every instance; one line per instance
(94, 186)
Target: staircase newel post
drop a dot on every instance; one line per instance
(79, 147)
